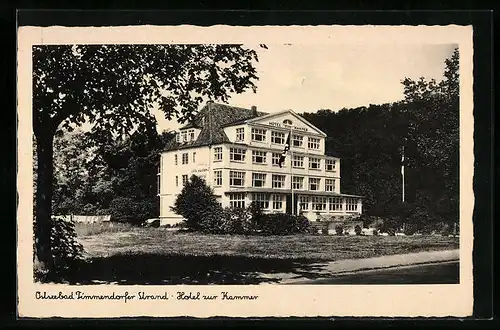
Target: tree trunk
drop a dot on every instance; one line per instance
(43, 211)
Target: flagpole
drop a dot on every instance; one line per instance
(403, 182)
(291, 171)
(403, 174)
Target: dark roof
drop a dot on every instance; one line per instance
(216, 116)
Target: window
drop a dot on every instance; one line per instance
(184, 179)
(191, 134)
(217, 154)
(314, 163)
(258, 157)
(276, 160)
(298, 161)
(314, 183)
(194, 157)
(258, 134)
(330, 164)
(298, 182)
(318, 203)
(237, 154)
(277, 137)
(351, 204)
(278, 181)
(185, 158)
(218, 178)
(236, 178)
(335, 204)
(176, 181)
(329, 184)
(313, 143)
(287, 122)
(178, 137)
(261, 199)
(184, 136)
(277, 202)
(240, 134)
(158, 182)
(297, 141)
(175, 159)
(304, 202)
(237, 200)
(258, 179)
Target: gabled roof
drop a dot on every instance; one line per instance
(212, 119)
(276, 114)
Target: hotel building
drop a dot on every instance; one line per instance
(237, 152)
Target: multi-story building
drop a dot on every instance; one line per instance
(237, 152)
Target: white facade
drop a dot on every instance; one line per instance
(246, 169)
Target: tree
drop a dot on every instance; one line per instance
(369, 141)
(76, 166)
(120, 181)
(433, 132)
(113, 87)
(194, 202)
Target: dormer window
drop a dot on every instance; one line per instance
(187, 135)
(191, 134)
(240, 134)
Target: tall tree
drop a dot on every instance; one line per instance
(369, 141)
(113, 87)
(433, 132)
(75, 166)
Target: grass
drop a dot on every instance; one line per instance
(89, 229)
(157, 256)
(311, 247)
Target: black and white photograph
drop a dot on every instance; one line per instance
(245, 162)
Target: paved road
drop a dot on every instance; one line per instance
(439, 273)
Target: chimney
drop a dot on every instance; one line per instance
(254, 111)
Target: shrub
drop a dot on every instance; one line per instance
(195, 202)
(237, 221)
(446, 229)
(371, 221)
(284, 224)
(410, 228)
(130, 209)
(211, 220)
(357, 230)
(66, 250)
(339, 229)
(256, 214)
(391, 224)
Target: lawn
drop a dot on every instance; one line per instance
(158, 256)
(311, 247)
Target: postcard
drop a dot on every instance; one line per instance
(259, 171)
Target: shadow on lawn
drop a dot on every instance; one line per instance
(157, 269)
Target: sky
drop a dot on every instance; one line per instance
(307, 78)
